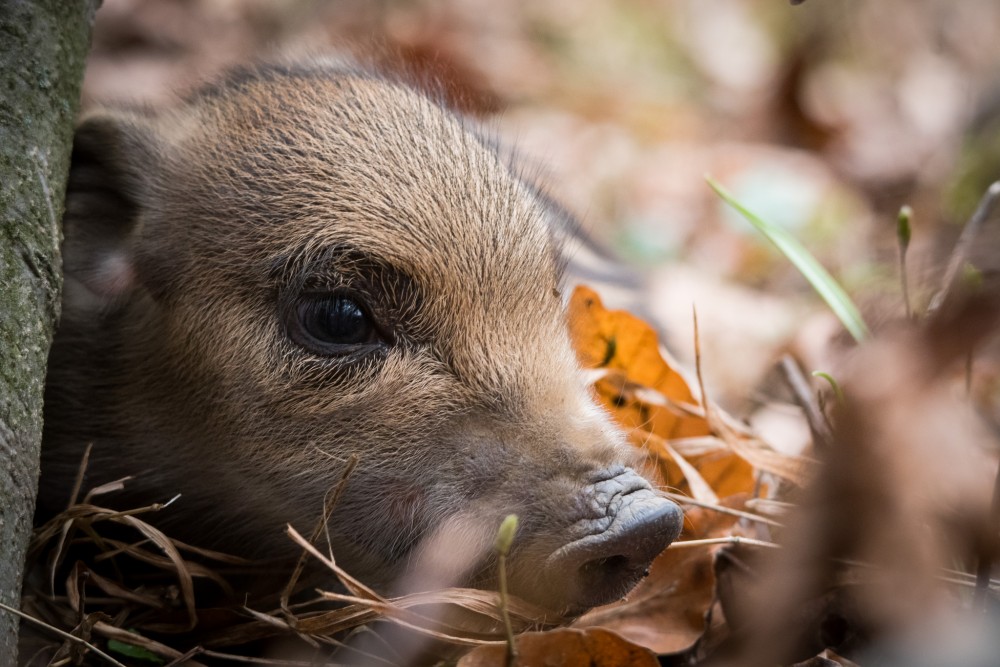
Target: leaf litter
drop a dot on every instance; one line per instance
(870, 526)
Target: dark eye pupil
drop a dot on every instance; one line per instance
(337, 320)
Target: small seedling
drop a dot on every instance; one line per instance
(133, 651)
(837, 391)
(903, 234)
(505, 538)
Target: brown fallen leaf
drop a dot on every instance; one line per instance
(667, 611)
(566, 647)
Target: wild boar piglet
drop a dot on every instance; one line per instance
(307, 262)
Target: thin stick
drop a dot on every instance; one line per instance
(729, 539)
(697, 365)
(276, 662)
(321, 528)
(687, 500)
(80, 472)
(964, 244)
(969, 356)
(62, 633)
(807, 401)
(950, 576)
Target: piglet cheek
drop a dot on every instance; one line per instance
(406, 505)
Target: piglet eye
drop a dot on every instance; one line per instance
(332, 323)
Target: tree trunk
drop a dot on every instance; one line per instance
(43, 46)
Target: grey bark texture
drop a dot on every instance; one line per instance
(43, 47)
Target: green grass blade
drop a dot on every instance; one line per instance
(837, 391)
(812, 270)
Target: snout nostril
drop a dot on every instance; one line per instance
(603, 567)
(610, 567)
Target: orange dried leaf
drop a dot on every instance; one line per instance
(725, 472)
(628, 349)
(619, 341)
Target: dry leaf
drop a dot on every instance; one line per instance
(566, 647)
(652, 399)
(667, 611)
(618, 340)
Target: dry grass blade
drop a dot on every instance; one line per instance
(67, 526)
(392, 611)
(80, 473)
(760, 455)
(726, 433)
(700, 489)
(806, 399)
(85, 515)
(631, 389)
(218, 556)
(109, 631)
(111, 487)
(749, 516)
(191, 569)
(970, 234)
(145, 599)
(482, 604)
(751, 449)
(352, 584)
(698, 446)
(729, 539)
(181, 566)
(61, 633)
(476, 620)
(321, 528)
(108, 587)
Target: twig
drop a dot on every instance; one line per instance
(697, 364)
(321, 528)
(56, 558)
(81, 471)
(964, 244)
(949, 575)
(969, 359)
(275, 662)
(687, 500)
(729, 539)
(807, 401)
(61, 633)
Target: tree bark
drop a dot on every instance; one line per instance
(43, 47)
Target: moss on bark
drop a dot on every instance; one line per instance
(43, 46)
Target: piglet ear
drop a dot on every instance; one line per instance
(114, 158)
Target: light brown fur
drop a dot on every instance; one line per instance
(189, 236)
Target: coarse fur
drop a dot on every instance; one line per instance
(191, 233)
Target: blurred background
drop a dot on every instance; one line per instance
(824, 118)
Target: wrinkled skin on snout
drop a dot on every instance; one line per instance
(305, 264)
